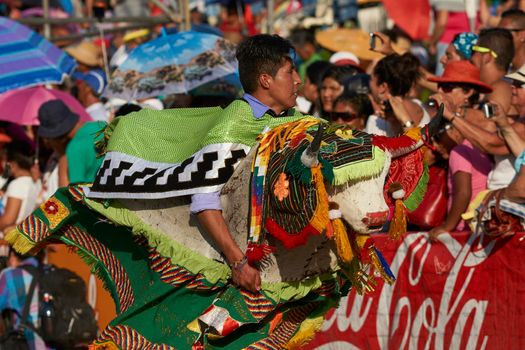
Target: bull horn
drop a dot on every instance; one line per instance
(434, 126)
(310, 154)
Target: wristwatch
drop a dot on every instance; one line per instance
(408, 124)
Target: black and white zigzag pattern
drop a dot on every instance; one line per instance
(125, 176)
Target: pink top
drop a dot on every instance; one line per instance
(457, 23)
(469, 159)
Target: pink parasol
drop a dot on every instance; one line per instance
(21, 106)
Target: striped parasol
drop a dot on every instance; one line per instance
(27, 59)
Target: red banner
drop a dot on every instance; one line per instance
(462, 292)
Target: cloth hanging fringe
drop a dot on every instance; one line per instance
(398, 225)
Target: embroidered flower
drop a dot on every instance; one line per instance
(280, 189)
(51, 207)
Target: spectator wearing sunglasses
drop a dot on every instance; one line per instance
(514, 21)
(483, 134)
(351, 109)
(493, 55)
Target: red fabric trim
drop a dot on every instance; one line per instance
(290, 240)
(392, 143)
(256, 252)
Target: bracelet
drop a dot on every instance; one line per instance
(456, 114)
(239, 264)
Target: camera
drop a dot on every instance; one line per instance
(432, 103)
(488, 110)
(372, 41)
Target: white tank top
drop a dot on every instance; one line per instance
(503, 172)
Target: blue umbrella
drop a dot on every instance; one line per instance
(170, 64)
(27, 59)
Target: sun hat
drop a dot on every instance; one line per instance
(135, 34)
(95, 78)
(518, 75)
(86, 53)
(462, 72)
(352, 40)
(56, 119)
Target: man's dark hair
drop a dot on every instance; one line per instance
(20, 152)
(126, 109)
(517, 17)
(500, 41)
(400, 73)
(300, 37)
(261, 54)
(316, 70)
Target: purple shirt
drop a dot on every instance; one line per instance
(207, 201)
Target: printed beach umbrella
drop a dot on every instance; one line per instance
(21, 106)
(170, 64)
(27, 58)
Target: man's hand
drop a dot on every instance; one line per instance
(247, 277)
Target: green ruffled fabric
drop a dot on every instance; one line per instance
(213, 271)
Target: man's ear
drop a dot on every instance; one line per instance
(264, 80)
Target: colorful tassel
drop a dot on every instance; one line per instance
(398, 226)
(320, 218)
(380, 264)
(257, 252)
(342, 243)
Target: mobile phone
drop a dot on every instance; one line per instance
(488, 110)
(372, 41)
(388, 107)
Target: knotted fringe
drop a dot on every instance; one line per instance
(342, 243)
(20, 242)
(398, 225)
(380, 264)
(108, 345)
(320, 218)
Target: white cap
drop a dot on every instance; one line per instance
(343, 58)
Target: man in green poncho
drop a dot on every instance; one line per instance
(270, 81)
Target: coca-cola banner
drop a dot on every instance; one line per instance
(462, 292)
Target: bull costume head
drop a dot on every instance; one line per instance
(310, 178)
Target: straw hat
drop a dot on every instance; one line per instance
(86, 53)
(518, 75)
(352, 40)
(462, 72)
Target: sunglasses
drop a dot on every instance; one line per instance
(345, 116)
(482, 49)
(518, 84)
(447, 87)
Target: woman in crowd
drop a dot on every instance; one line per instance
(332, 86)
(351, 109)
(392, 78)
(19, 200)
(468, 166)
(309, 102)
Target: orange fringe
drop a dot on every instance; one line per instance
(344, 249)
(398, 226)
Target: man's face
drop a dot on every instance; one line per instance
(517, 35)
(284, 86)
